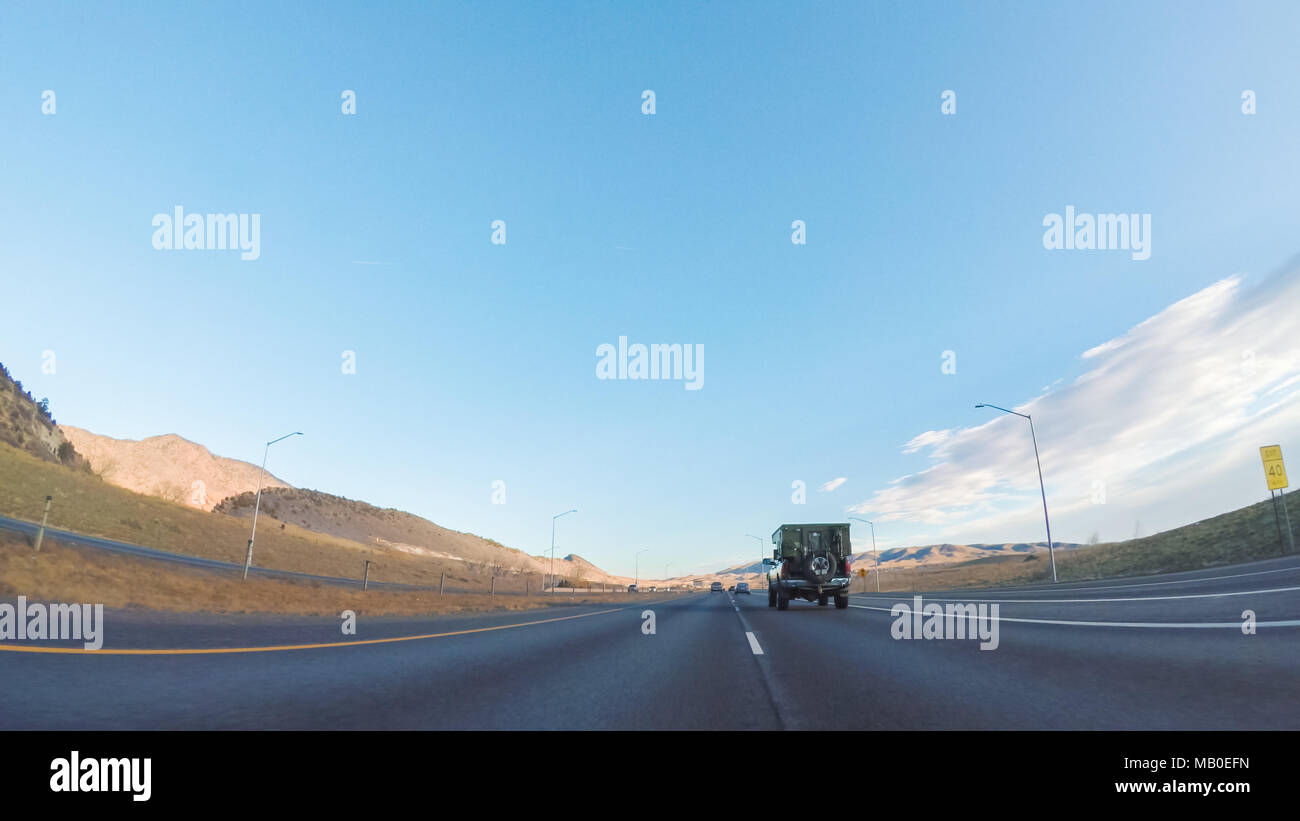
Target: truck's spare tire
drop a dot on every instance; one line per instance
(821, 567)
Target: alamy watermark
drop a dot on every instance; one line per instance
(656, 361)
(179, 231)
(1100, 232)
(956, 620)
(52, 622)
(77, 774)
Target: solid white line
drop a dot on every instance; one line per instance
(1291, 569)
(753, 644)
(1113, 599)
(1207, 624)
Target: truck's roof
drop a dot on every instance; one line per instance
(814, 524)
(817, 524)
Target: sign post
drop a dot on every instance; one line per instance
(1275, 474)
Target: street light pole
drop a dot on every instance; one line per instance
(553, 518)
(248, 557)
(637, 581)
(761, 546)
(874, 554)
(1051, 553)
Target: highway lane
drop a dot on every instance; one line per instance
(596, 671)
(714, 662)
(1049, 671)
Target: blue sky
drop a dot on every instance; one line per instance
(476, 362)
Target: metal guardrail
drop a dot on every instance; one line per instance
(70, 537)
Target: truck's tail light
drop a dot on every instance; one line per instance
(848, 567)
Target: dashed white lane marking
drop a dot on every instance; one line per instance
(1109, 599)
(753, 644)
(1207, 624)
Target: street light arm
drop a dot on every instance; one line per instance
(553, 518)
(257, 505)
(875, 554)
(1004, 410)
(1042, 486)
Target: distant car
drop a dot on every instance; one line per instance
(653, 588)
(742, 587)
(631, 588)
(731, 589)
(716, 587)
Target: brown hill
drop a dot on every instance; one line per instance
(177, 470)
(27, 424)
(401, 531)
(900, 558)
(168, 467)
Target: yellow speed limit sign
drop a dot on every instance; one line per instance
(1274, 469)
(862, 572)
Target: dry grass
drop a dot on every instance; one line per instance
(1243, 535)
(991, 572)
(84, 503)
(75, 574)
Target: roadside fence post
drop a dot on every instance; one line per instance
(40, 534)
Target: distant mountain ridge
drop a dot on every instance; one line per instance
(902, 558)
(949, 553)
(398, 530)
(185, 472)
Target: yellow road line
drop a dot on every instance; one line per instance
(24, 648)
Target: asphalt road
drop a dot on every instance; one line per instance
(1155, 653)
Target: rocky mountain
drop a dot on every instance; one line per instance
(185, 472)
(168, 466)
(26, 424)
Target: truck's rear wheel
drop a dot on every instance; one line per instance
(771, 597)
(782, 601)
(842, 601)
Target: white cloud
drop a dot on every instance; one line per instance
(925, 440)
(832, 484)
(1168, 419)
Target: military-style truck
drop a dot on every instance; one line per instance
(809, 562)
